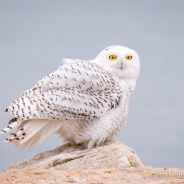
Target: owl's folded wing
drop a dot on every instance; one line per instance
(77, 90)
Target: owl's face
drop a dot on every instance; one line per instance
(121, 61)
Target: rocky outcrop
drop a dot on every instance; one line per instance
(111, 155)
(112, 163)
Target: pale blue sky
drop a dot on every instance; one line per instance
(35, 35)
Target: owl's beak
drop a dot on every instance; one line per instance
(121, 66)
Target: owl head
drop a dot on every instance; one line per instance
(121, 61)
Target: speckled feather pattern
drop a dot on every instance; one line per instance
(81, 90)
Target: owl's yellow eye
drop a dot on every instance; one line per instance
(112, 57)
(128, 57)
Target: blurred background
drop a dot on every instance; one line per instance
(35, 35)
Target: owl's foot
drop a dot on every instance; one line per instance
(72, 143)
(94, 143)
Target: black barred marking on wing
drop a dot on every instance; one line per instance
(6, 140)
(6, 110)
(15, 135)
(12, 120)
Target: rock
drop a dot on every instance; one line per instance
(111, 163)
(133, 175)
(111, 155)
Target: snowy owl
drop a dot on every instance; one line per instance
(84, 102)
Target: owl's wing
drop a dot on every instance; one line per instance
(77, 90)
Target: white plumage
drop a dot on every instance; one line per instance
(84, 102)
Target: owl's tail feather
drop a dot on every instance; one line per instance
(32, 132)
(11, 125)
